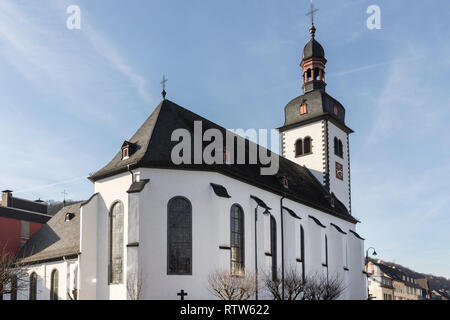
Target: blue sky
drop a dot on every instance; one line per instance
(70, 97)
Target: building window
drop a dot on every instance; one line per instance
(303, 147)
(299, 148)
(303, 109)
(326, 251)
(116, 227)
(179, 236)
(33, 286)
(125, 153)
(237, 240)
(273, 246)
(25, 229)
(302, 251)
(335, 110)
(338, 148)
(307, 145)
(54, 285)
(13, 295)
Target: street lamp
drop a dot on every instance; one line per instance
(266, 212)
(367, 268)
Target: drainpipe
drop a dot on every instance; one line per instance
(132, 174)
(282, 247)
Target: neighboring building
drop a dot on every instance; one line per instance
(380, 283)
(425, 289)
(440, 295)
(52, 258)
(166, 227)
(19, 220)
(402, 284)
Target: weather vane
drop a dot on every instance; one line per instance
(163, 83)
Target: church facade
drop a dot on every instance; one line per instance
(156, 230)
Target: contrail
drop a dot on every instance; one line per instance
(371, 66)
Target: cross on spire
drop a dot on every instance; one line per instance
(64, 194)
(311, 13)
(163, 83)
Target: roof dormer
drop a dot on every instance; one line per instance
(128, 149)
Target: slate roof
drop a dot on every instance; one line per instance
(154, 147)
(319, 105)
(26, 215)
(313, 49)
(55, 239)
(397, 274)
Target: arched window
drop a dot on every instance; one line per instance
(299, 148)
(307, 145)
(13, 295)
(33, 286)
(308, 75)
(116, 226)
(316, 74)
(179, 236)
(336, 146)
(237, 240)
(273, 246)
(54, 279)
(302, 250)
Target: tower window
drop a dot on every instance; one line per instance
(335, 110)
(338, 147)
(316, 74)
(308, 75)
(303, 147)
(299, 148)
(303, 109)
(307, 145)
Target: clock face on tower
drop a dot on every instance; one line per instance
(339, 171)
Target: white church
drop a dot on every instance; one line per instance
(161, 229)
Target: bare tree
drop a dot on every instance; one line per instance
(226, 286)
(135, 283)
(296, 287)
(13, 274)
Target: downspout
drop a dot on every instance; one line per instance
(132, 174)
(282, 247)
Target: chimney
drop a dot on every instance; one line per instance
(6, 198)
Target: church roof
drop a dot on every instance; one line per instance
(319, 104)
(154, 147)
(313, 49)
(58, 238)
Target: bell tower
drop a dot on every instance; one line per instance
(314, 134)
(313, 65)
